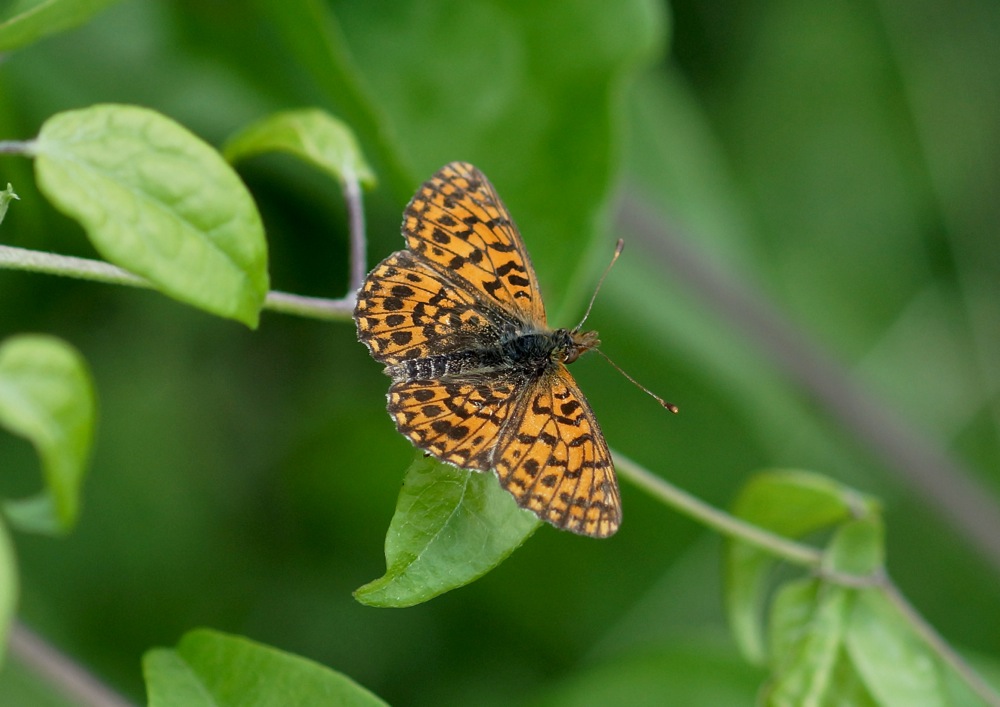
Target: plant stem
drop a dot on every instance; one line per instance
(356, 225)
(13, 258)
(312, 307)
(37, 261)
(712, 517)
(15, 147)
(70, 679)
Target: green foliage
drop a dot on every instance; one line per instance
(212, 669)
(793, 504)
(158, 202)
(451, 527)
(845, 637)
(311, 135)
(47, 397)
(809, 147)
(6, 196)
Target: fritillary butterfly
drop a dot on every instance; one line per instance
(478, 379)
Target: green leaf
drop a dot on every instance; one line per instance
(9, 586)
(28, 20)
(157, 201)
(857, 548)
(451, 526)
(5, 198)
(807, 627)
(895, 664)
(790, 503)
(312, 135)
(46, 396)
(212, 669)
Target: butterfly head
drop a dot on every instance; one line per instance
(578, 343)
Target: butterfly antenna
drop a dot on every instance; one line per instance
(618, 251)
(669, 406)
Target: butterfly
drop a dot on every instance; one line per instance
(479, 380)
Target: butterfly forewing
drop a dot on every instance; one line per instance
(406, 309)
(457, 221)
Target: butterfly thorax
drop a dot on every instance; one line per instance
(528, 353)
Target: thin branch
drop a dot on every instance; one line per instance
(16, 147)
(712, 517)
(356, 224)
(13, 258)
(312, 307)
(58, 670)
(941, 481)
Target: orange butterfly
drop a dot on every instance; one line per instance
(478, 379)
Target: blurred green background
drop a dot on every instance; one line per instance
(836, 164)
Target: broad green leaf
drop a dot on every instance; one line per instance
(895, 664)
(213, 669)
(857, 548)
(157, 201)
(24, 21)
(807, 628)
(790, 503)
(311, 135)
(451, 526)
(47, 397)
(9, 586)
(5, 198)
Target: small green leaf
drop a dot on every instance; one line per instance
(790, 503)
(895, 664)
(29, 20)
(857, 548)
(311, 135)
(46, 396)
(5, 198)
(807, 628)
(9, 586)
(451, 526)
(210, 669)
(157, 201)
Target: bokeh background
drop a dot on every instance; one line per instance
(815, 282)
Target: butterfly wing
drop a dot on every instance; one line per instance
(408, 309)
(456, 421)
(457, 221)
(553, 459)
